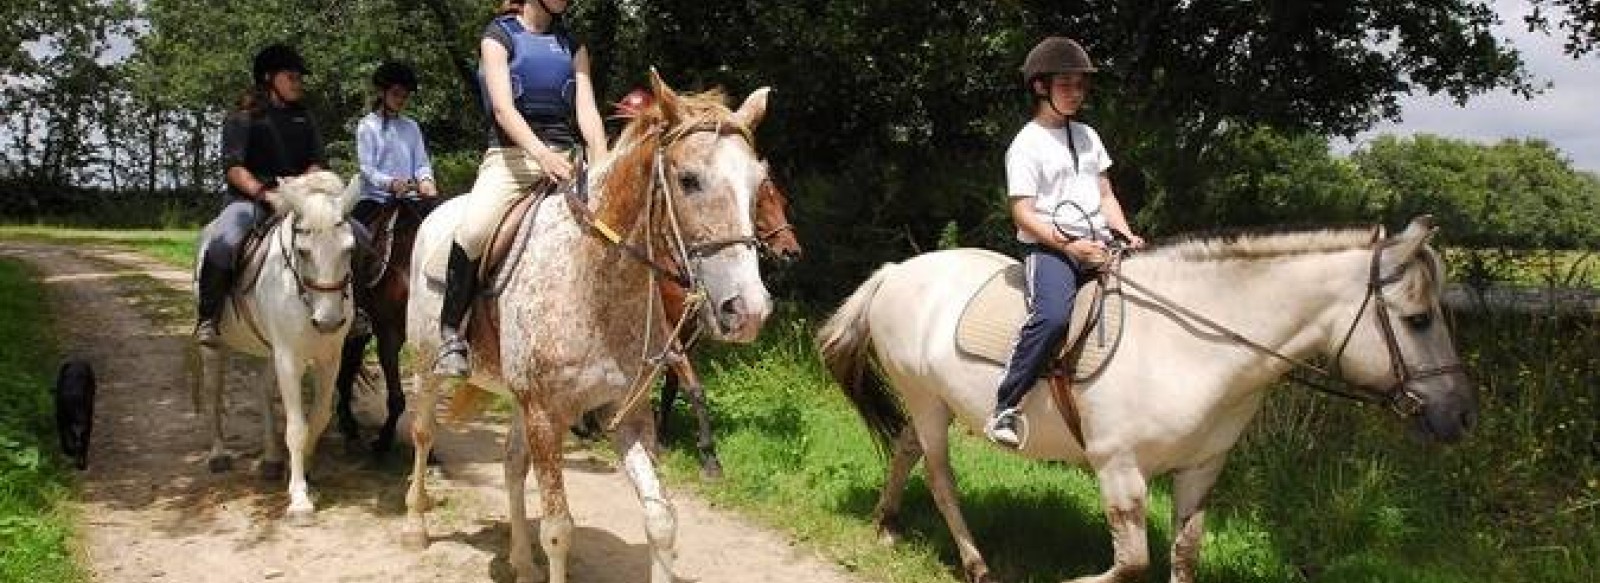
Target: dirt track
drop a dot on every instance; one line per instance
(150, 511)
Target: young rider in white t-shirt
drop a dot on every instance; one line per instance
(1064, 209)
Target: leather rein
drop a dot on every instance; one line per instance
(1398, 397)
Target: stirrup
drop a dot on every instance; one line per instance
(207, 334)
(452, 360)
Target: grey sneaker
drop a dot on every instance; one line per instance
(206, 334)
(1002, 428)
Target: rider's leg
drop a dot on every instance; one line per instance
(1052, 285)
(504, 174)
(227, 232)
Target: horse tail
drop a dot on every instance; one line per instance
(466, 402)
(844, 341)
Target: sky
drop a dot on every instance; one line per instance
(1565, 114)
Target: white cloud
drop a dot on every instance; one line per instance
(1564, 115)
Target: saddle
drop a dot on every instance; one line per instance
(505, 246)
(993, 318)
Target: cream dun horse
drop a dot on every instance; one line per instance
(294, 313)
(1210, 323)
(579, 317)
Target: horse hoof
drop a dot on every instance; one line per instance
(272, 471)
(219, 464)
(711, 471)
(414, 540)
(300, 517)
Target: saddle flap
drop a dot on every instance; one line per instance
(252, 255)
(993, 318)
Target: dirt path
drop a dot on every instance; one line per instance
(151, 512)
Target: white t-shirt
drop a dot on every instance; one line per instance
(1039, 164)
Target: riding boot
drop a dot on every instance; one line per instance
(460, 288)
(363, 264)
(213, 287)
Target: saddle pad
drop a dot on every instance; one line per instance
(506, 243)
(992, 319)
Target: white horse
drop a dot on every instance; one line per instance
(1209, 324)
(578, 321)
(295, 312)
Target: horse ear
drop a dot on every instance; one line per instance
(754, 108)
(1411, 241)
(665, 98)
(352, 194)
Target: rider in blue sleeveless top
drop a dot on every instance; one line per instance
(540, 101)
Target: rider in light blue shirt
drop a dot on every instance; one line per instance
(394, 159)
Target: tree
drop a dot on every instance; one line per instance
(1581, 24)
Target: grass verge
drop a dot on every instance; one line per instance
(35, 528)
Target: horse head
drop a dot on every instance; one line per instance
(773, 230)
(705, 172)
(318, 244)
(1399, 343)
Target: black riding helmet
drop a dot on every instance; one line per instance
(394, 73)
(276, 58)
(1053, 55)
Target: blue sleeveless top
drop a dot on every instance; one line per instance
(543, 82)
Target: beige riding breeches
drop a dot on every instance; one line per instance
(504, 174)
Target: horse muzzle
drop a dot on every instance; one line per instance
(328, 325)
(739, 318)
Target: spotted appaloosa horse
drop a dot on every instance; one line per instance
(683, 178)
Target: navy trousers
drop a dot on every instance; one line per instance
(1052, 285)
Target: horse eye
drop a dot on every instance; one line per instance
(689, 182)
(1418, 322)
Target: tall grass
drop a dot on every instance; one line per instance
(35, 530)
(1319, 490)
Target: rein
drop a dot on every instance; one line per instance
(1399, 397)
(682, 267)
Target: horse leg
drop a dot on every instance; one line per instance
(1189, 489)
(660, 520)
(907, 452)
(290, 371)
(516, 468)
(415, 532)
(389, 340)
(1124, 492)
(544, 431)
(272, 440)
(213, 365)
(349, 367)
(669, 397)
(322, 378)
(710, 466)
(932, 430)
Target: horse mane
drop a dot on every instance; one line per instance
(314, 199)
(1263, 242)
(626, 176)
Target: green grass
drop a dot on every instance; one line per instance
(175, 247)
(1320, 489)
(35, 529)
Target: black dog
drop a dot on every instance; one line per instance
(75, 409)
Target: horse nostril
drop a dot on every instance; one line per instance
(732, 306)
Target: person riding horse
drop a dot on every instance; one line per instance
(535, 77)
(1054, 163)
(393, 155)
(268, 136)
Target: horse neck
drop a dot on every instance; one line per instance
(1288, 303)
(622, 186)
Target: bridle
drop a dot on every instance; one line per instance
(1399, 397)
(306, 285)
(682, 266)
(764, 239)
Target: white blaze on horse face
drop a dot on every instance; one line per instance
(738, 302)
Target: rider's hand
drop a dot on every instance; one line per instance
(399, 186)
(1087, 252)
(427, 189)
(554, 163)
(1134, 241)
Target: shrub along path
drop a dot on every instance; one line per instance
(150, 511)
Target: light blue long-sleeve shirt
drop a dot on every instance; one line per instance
(389, 149)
